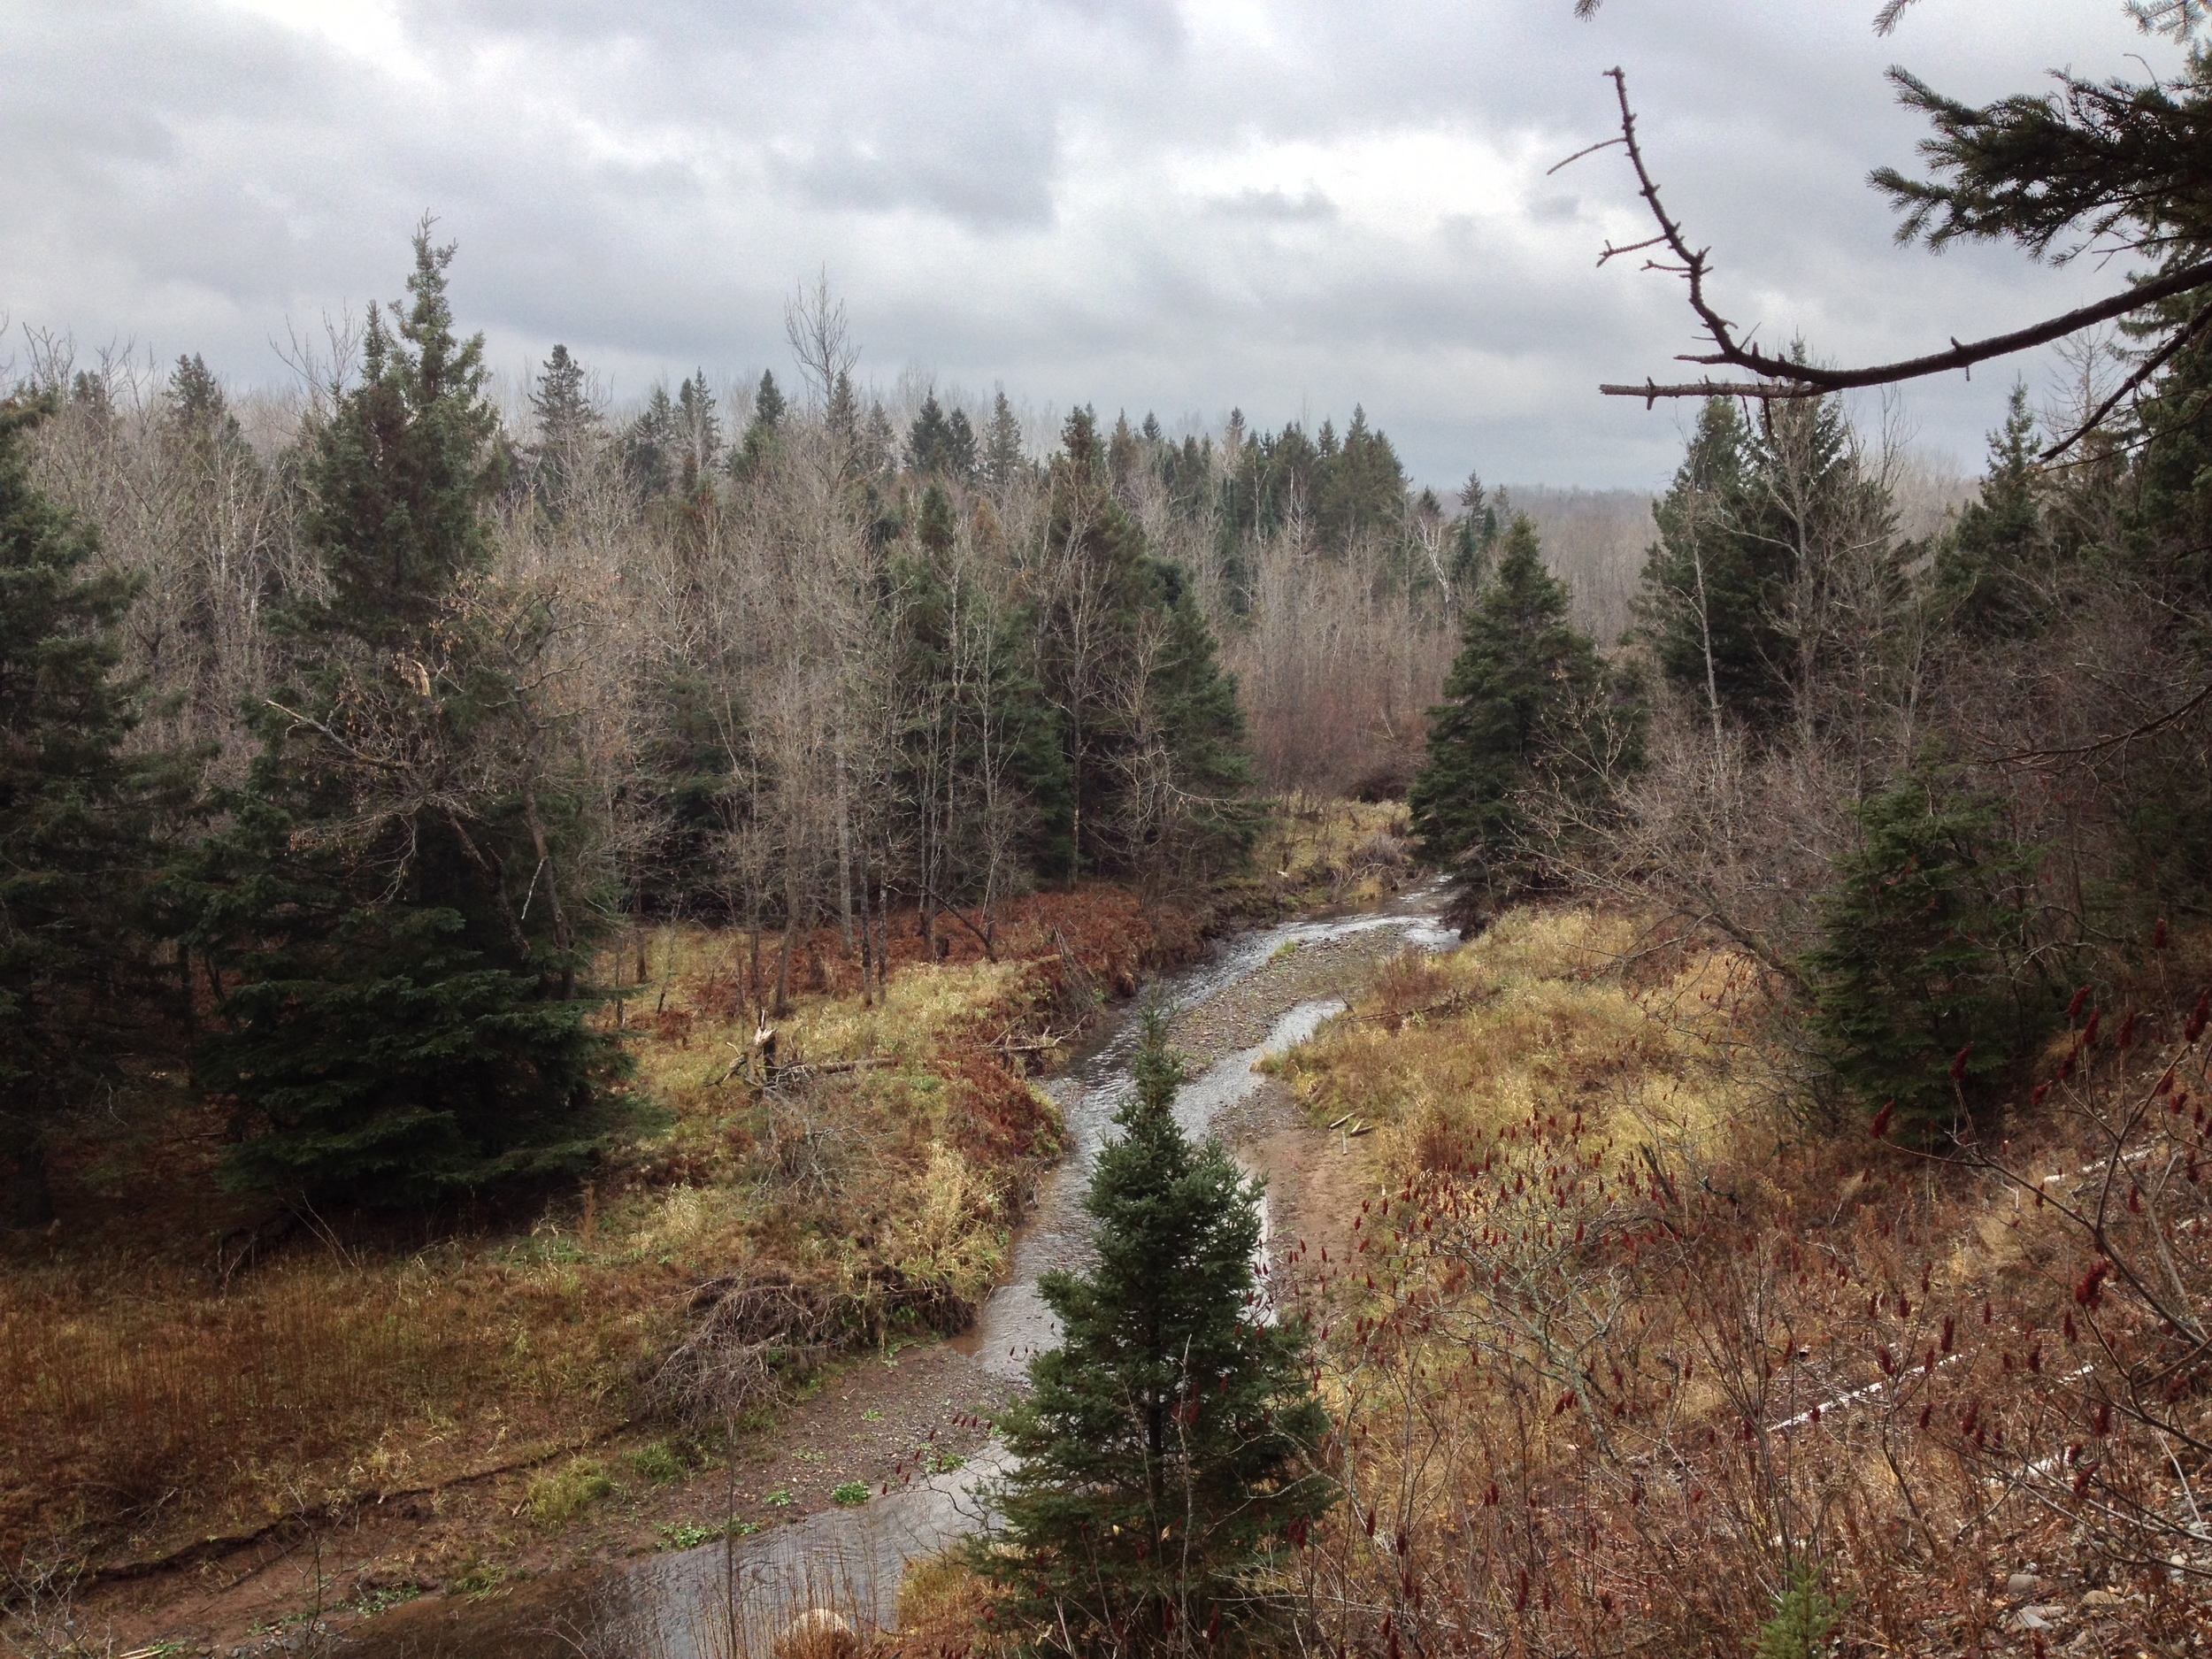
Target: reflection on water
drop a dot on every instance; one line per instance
(730, 1601)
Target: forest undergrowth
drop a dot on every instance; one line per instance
(180, 1368)
(1626, 1356)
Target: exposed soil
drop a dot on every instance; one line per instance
(1314, 1179)
(864, 1421)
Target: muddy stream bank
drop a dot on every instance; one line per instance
(1261, 991)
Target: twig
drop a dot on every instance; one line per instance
(1793, 379)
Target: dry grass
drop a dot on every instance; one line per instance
(144, 1406)
(1618, 1352)
(1335, 851)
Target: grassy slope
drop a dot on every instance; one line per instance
(1601, 1280)
(145, 1406)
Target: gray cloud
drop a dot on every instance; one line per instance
(1291, 207)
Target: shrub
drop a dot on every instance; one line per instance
(559, 1496)
(1922, 993)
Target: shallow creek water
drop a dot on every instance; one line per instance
(718, 1601)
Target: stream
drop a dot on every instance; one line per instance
(723, 1601)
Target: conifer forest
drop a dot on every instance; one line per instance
(819, 1014)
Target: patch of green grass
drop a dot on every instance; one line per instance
(369, 1603)
(871, 1415)
(559, 1496)
(936, 1461)
(658, 1463)
(690, 1535)
(778, 1499)
(850, 1491)
(478, 1577)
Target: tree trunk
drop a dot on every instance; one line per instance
(844, 855)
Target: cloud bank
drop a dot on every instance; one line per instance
(1289, 207)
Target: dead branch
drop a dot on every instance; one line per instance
(1785, 378)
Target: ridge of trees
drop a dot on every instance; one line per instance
(455, 700)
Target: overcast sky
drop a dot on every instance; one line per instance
(1289, 207)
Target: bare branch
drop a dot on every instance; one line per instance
(1787, 379)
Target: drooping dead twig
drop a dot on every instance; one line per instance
(1784, 378)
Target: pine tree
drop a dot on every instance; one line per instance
(1524, 682)
(1924, 992)
(76, 821)
(1985, 568)
(1166, 1451)
(1002, 458)
(760, 431)
(567, 419)
(394, 909)
(925, 438)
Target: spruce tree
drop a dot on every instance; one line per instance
(76, 818)
(927, 437)
(1711, 582)
(1002, 458)
(394, 909)
(1923, 991)
(1149, 720)
(1166, 1452)
(652, 446)
(1986, 568)
(958, 455)
(568, 419)
(760, 431)
(1523, 685)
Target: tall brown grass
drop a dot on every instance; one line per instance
(1622, 1359)
(134, 1404)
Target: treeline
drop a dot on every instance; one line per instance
(340, 737)
(1930, 784)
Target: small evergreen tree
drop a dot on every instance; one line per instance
(1986, 568)
(568, 419)
(76, 816)
(1166, 1449)
(760, 431)
(1923, 991)
(1805, 1620)
(1517, 706)
(387, 909)
(1002, 458)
